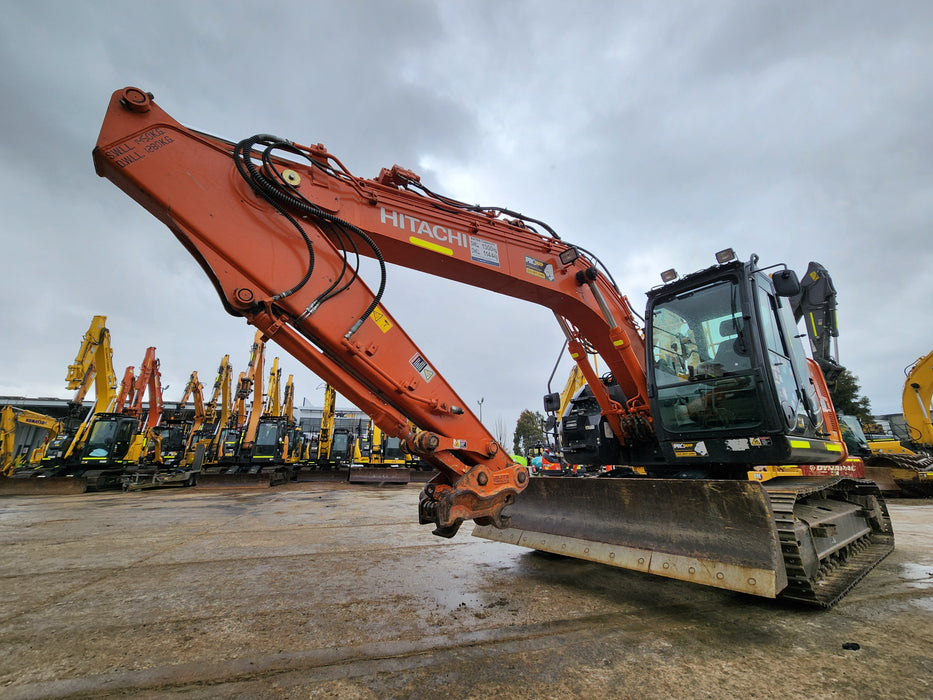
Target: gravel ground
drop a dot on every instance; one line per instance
(333, 591)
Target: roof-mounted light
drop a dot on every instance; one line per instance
(724, 256)
(568, 256)
(669, 275)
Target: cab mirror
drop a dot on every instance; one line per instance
(551, 402)
(786, 283)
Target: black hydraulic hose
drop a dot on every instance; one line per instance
(560, 356)
(326, 294)
(462, 206)
(265, 189)
(281, 198)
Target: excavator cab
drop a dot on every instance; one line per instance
(270, 440)
(110, 438)
(229, 445)
(174, 436)
(728, 375)
(341, 448)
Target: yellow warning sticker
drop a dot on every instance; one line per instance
(379, 318)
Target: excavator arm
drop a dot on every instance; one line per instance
(918, 393)
(816, 306)
(94, 363)
(273, 404)
(254, 376)
(325, 436)
(194, 391)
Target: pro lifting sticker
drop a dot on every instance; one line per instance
(539, 268)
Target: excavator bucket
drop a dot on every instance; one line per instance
(737, 535)
(42, 486)
(379, 475)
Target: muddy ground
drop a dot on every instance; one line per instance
(334, 591)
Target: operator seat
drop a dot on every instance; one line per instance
(732, 353)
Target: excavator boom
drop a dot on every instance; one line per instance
(356, 345)
(916, 401)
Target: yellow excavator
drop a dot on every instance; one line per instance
(205, 440)
(93, 367)
(904, 466)
(385, 463)
(125, 439)
(233, 465)
(16, 453)
(268, 456)
(298, 444)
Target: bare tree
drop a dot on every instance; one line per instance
(499, 430)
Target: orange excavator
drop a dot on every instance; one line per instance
(204, 440)
(715, 384)
(172, 463)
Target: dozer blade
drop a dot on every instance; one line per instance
(208, 480)
(882, 477)
(422, 476)
(308, 475)
(379, 475)
(806, 539)
(42, 486)
(902, 474)
(718, 533)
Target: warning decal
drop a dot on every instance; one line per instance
(379, 318)
(422, 367)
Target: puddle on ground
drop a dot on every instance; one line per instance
(917, 575)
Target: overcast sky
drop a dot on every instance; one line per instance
(651, 133)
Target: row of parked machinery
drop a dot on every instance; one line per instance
(129, 439)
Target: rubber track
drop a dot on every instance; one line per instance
(834, 578)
